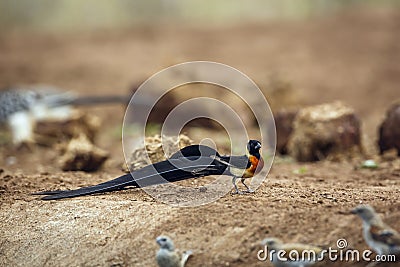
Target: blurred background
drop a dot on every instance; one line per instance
(299, 52)
(77, 15)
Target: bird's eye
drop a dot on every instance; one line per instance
(163, 239)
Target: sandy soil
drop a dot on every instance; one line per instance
(351, 57)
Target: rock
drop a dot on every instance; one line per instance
(284, 127)
(325, 131)
(389, 130)
(50, 132)
(81, 155)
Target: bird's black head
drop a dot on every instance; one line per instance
(253, 146)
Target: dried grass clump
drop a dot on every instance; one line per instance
(82, 155)
(156, 149)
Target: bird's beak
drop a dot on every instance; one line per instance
(353, 211)
(258, 146)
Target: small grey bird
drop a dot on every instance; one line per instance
(21, 108)
(291, 254)
(167, 256)
(379, 236)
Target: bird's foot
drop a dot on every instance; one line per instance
(237, 192)
(250, 191)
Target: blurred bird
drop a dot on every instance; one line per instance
(21, 108)
(292, 255)
(189, 162)
(379, 236)
(167, 256)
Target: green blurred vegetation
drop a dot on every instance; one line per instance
(89, 14)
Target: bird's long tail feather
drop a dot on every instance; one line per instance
(113, 185)
(171, 170)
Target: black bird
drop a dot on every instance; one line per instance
(245, 166)
(189, 162)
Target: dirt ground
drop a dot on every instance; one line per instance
(351, 57)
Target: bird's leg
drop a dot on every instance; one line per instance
(245, 185)
(234, 184)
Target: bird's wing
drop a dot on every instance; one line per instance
(168, 258)
(239, 162)
(171, 170)
(55, 98)
(385, 235)
(195, 150)
(236, 165)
